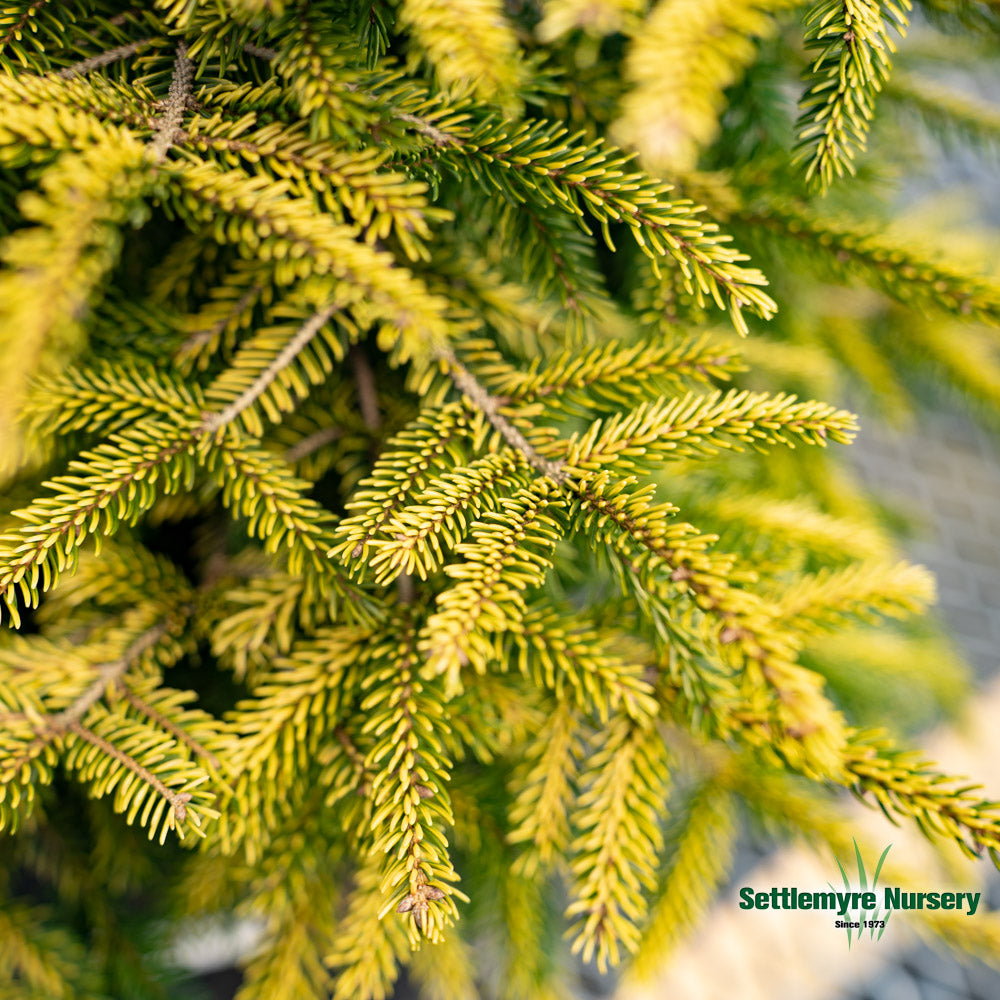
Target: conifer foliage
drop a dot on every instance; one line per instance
(398, 533)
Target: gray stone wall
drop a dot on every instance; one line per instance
(945, 475)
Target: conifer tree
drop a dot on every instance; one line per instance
(418, 526)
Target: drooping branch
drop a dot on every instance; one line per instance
(408, 790)
(902, 782)
(807, 720)
(49, 727)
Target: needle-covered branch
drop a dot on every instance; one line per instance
(356, 394)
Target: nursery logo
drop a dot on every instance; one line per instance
(860, 908)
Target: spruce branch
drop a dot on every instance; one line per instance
(216, 421)
(507, 552)
(298, 704)
(582, 666)
(557, 252)
(604, 375)
(356, 187)
(18, 23)
(321, 76)
(120, 485)
(288, 521)
(807, 720)
(569, 291)
(854, 46)
(134, 746)
(682, 59)
(122, 475)
(412, 539)
(54, 268)
(911, 275)
(672, 229)
(88, 107)
(491, 407)
(597, 179)
(401, 469)
(400, 289)
(409, 796)
(206, 336)
(701, 846)
(903, 784)
(539, 811)
(168, 125)
(865, 590)
(310, 244)
(365, 956)
(695, 425)
(801, 526)
(424, 125)
(178, 800)
(108, 674)
(470, 44)
(168, 725)
(798, 721)
(614, 854)
(40, 960)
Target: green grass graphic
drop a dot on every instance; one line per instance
(878, 912)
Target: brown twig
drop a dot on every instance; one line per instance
(215, 421)
(169, 123)
(104, 58)
(364, 380)
(312, 442)
(260, 51)
(490, 406)
(164, 723)
(178, 800)
(108, 673)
